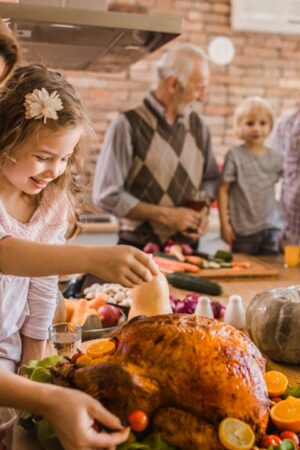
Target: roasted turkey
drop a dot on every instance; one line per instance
(187, 372)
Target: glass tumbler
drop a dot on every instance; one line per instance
(65, 338)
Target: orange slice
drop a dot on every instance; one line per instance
(83, 361)
(235, 434)
(276, 383)
(101, 359)
(101, 348)
(286, 414)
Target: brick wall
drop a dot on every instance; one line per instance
(265, 64)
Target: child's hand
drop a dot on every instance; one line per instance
(227, 234)
(122, 264)
(73, 414)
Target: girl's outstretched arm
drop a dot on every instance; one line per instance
(71, 412)
(118, 264)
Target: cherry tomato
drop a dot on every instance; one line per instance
(270, 439)
(138, 420)
(290, 435)
(75, 357)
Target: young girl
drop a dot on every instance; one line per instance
(42, 132)
(249, 213)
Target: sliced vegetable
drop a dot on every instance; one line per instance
(194, 283)
(225, 256)
(175, 266)
(197, 260)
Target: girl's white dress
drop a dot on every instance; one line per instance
(27, 305)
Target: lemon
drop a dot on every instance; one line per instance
(236, 434)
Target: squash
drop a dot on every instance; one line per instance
(272, 320)
(80, 312)
(98, 301)
(150, 299)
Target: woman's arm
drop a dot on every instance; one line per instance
(119, 264)
(71, 412)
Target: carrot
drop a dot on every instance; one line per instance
(98, 301)
(176, 266)
(193, 259)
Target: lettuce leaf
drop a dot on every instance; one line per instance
(151, 442)
(45, 363)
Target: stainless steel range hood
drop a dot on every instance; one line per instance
(75, 39)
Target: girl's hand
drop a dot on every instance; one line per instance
(227, 234)
(73, 415)
(122, 264)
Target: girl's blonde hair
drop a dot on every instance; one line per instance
(15, 129)
(251, 107)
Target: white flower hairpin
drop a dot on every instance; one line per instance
(39, 104)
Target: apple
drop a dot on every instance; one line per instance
(109, 315)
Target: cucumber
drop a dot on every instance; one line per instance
(223, 255)
(182, 280)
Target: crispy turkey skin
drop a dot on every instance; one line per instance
(175, 366)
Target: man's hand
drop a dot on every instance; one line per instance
(202, 226)
(182, 219)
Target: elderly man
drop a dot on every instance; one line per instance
(157, 157)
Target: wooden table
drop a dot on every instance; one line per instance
(247, 288)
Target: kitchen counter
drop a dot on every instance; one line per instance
(247, 288)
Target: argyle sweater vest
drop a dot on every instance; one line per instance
(168, 164)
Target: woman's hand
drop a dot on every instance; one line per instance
(122, 264)
(73, 415)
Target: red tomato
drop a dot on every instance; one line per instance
(270, 439)
(75, 357)
(138, 420)
(290, 435)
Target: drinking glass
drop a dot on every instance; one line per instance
(65, 338)
(291, 255)
(8, 417)
(197, 201)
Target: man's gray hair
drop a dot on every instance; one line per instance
(180, 62)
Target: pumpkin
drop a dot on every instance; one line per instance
(272, 320)
(149, 299)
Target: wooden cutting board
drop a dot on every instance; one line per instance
(257, 268)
